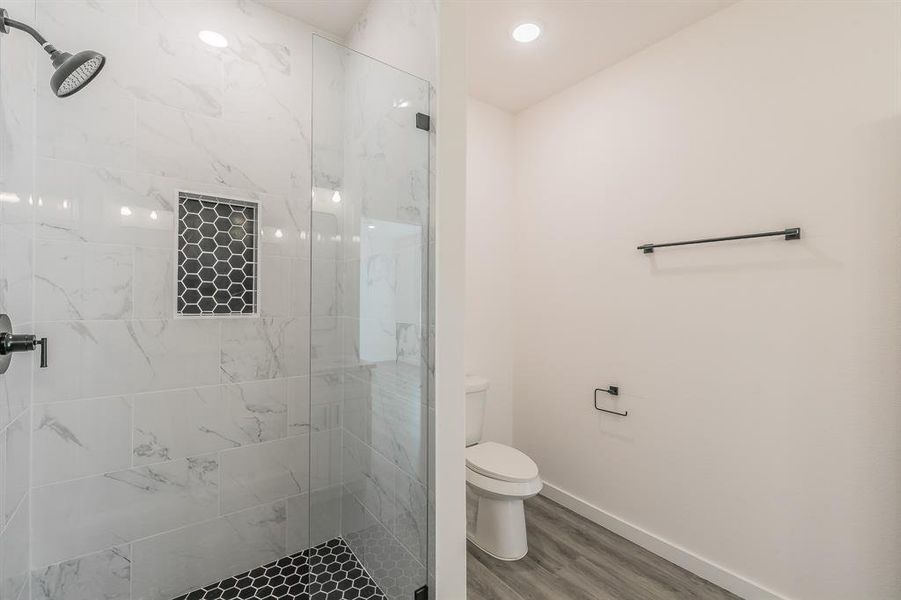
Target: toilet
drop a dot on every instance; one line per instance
(499, 478)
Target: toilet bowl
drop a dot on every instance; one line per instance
(500, 477)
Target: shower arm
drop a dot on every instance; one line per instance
(6, 23)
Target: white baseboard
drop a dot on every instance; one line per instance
(701, 567)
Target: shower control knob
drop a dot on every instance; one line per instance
(11, 343)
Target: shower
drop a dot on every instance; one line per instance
(73, 72)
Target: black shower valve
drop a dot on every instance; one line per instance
(23, 342)
(10, 343)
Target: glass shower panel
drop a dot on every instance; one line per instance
(368, 459)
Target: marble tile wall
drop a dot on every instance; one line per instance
(18, 54)
(369, 270)
(167, 452)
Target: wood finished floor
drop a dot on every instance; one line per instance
(571, 558)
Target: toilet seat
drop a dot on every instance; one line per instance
(500, 462)
(495, 488)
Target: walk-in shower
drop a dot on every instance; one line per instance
(225, 248)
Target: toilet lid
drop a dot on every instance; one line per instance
(501, 462)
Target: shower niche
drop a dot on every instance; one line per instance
(217, 256)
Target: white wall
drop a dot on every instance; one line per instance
(489, 260)
(448, 278)
(402, 33)
(761, 377)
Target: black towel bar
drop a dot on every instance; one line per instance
(792, 233)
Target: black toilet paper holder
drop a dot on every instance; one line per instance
(613, 391)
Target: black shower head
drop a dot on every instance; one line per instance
(72, 72)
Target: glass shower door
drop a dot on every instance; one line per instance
(369, 459)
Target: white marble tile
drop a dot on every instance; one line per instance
(2, 480)
(256, 34)
(327, 387)
(179, 423)
(263, 473)
(16, 270)
(324, 417)
(298, 406)
(260, 408)
(79, 202)
(17, 120)
(349, 301)
(378, 286)
(411, 519)
(399, 427)
(154, 294)
(176, 562)
(82, 281)
(284, 287)
(327, 278)
(80, 438)
(96, 128)
(176, 71)
(326, 238)
(370, 478)
(355, 521)
(326, 344)
(298, 523)
(14, 548)
(17, 465)
(274, 91)
(409, 346)
(101, 20)
(325, 459)
(264, 348)
(104, 575)
(286, 224)
(370, 340)
(325, 514)
(105, 358)
(357, 413)
(94, 513)
(15, 386)
(249, 156)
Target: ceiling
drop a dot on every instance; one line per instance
(579, 38)
(332, 16)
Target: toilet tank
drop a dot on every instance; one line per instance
(476, 394)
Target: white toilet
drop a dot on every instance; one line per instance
(500, 478)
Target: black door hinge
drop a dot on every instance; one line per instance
(423, 122)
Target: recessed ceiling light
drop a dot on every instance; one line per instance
(527, 32)
(214, 39)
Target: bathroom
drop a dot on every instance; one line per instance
(392, 299)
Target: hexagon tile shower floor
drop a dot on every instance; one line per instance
(330, 571)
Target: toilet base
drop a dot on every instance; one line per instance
(500, 528)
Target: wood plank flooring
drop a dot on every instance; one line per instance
(571, 558)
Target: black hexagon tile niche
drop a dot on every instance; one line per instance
(217, 255)
(330, 571)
